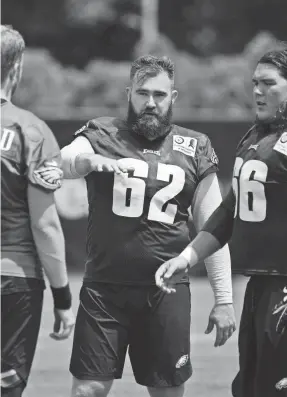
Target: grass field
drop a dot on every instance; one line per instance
(214, 368)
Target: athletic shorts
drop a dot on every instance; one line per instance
(20, 323)
(153, 325)
(262, 346)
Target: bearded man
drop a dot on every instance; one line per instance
(143, 176)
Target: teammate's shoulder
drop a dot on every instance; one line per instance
(31, 125)
(23, 115)
(104, 125)
(182, 131)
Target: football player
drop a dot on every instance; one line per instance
(143, 174)
(254, 216)
(31, 234)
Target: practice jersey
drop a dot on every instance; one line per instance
(259, 237)
(27, 144)
(137, 222)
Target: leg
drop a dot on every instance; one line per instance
(100, 340)
(177, 391)
(160, 342)
(21, 317)
(272, 367)
(16, 391)
(262, 351)
(242, 384)
(90, 388)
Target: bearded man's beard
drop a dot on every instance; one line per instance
(148, 124)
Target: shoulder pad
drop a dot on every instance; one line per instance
(32, 126)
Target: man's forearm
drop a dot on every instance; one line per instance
(217, 262)
(83, 163)
(77, 165)
(48, 235)
(51, 251)
(218, 268)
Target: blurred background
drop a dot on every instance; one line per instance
(78, 59)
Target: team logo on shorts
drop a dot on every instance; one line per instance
(182, 361)
(185, 145)
(281, 311)
(282, 384)
(281, 144)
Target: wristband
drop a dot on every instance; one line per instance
(186, 254)
(62, 297)
(190, 255)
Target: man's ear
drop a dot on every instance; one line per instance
(128, 91)
(174, 95)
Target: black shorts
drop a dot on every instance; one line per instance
(262, 347)
(20, 319)
(154, 325)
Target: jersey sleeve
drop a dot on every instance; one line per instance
(41, 151)
(207, 158)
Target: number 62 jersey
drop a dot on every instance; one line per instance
(138, 221)
(259, 237)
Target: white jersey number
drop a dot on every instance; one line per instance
(248, 186)
(129, 192)
(7, 137)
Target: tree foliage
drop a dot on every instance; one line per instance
(77, 31)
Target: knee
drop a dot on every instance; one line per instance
(90, 388)
(176, 391)
(14, 391)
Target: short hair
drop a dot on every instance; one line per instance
(12, 49)
(277, 58)
(148, 66)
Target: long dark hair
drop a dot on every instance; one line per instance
(277, 58)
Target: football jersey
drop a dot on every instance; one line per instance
(26, 145)
(137, 222)
(259, 237)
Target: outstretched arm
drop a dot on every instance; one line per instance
(215, 233)
(79, 159)
(205, 244)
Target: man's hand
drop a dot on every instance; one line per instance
(171, 272)
(223, 317)
(63, 324)
(105, 164)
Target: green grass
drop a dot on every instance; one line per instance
(214, 368)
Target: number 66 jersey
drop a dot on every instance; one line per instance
(259, 237)
(139, 220)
